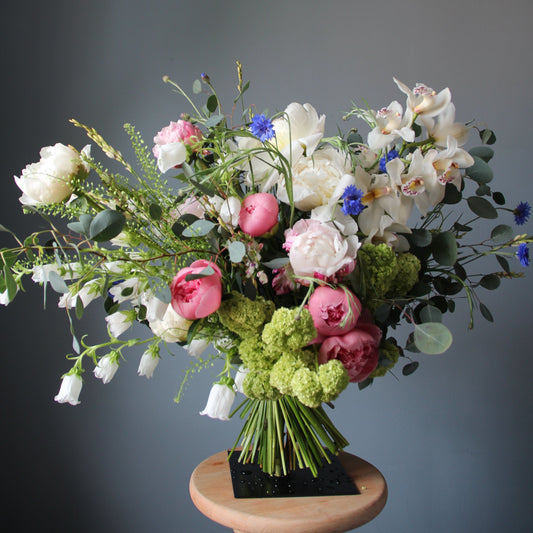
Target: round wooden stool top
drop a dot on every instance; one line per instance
(212, 492)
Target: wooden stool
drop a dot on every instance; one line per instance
(212, 492)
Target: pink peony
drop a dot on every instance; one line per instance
(180, 131)
(198, 297)
(334, 311)
(317, 249)
(357, 350)
(259, 214)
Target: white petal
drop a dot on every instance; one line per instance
(171, 155)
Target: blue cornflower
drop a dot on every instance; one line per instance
(392, 154)
(262, 128)
(352, 197)
(521, 213)
(523, 254)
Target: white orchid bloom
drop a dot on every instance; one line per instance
(424, 100)
(419, 182)
(448, 162)
(171, 155)
(444, 126)
(70, 389)
(106, 368)
(391, 123)
(221, 398)
(299, 125)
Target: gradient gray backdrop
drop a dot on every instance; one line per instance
(454, 440)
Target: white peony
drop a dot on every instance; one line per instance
(163, 320)
(317, 180)
(49, 180)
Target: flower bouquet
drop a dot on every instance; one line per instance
(289, 256)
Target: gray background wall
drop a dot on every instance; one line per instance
(454, 440)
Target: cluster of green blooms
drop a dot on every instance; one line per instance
(385, 273)
(277, 360)
(389, 354)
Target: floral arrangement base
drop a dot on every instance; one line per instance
(249, 481)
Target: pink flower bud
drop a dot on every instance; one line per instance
(334, 311)
(198, 297)
(259, 214)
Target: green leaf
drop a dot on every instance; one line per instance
(200, 228)
(278, 262)
(11, 284)
(432, 337)
(3, 228)
(79, 308)
(482, 207)
(490, 282)
(480, 171)
(213, 121)
(429, 313)
(420, 238)
(504, 263)
(487, 315)
(461, 227)
(197, 87)
(460, 271)
(182, 223)
(444, 248)
(420, 288)
(452, 194)
(237, 250)
(482, 152)
(155, 211)
(354, 139)
(498, 198)
(57, 282)
(365, 383)
(483, 190)
(502, 233)
(212, 103)
(409, 368)
(487, 136)
(207, 271)
(106, 225)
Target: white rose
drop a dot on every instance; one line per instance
(317, 180)
(49, 180)
(319, 248)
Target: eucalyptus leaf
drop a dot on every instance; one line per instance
(461, 227)
(278, 262)
(444, 248)
(432, 337)
(106, 225)
(487, 136)
(482, 207)
(409, 368)
(354, 139)
(452, 195)
(197, 87)
(212, 103)
(480, 171)
(77, 227)
(207, 271)
(502, 233)
(237, 250)
(504, 263)
(483, 190)
(57, 282)
(487, 315)
(420, 238)
(200, 228)
(490, 282)
(365, 383)
(213, 121)
(85, 221)
(498, 198)
(79, 308)
(155, 212)
(482, 152)
(182, 223)
(429, 313)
